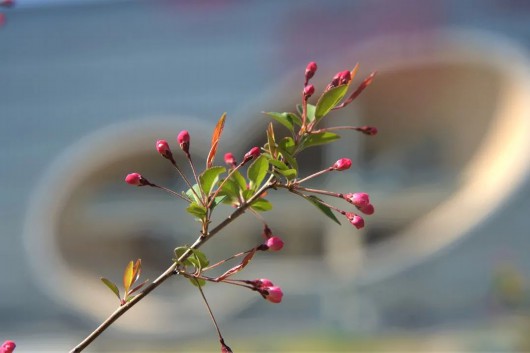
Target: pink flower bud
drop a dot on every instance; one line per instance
(367, 209)
(2, 19)
(356, 220)
(342, 164)
(358, 199)
(273, 294)
(309, 90)
(274, 243)
(310, 70)
(230, 159)
(163, 148)
(183, 139)
(263, 282)
(344, 77)
(135, 179)
(253, 153)
(224, 347)
(8, 347)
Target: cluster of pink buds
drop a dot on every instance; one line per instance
(268, 290)
(360, 200)
(309, 89)
(8, 347)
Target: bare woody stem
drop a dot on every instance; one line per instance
(171, 270)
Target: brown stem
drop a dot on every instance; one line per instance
(170, 271)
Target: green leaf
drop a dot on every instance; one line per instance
(181, 250)
(257, 172)
(199, 259)
(328, 100)
(197, 210)
(289, 158)
(320, 138)
(191, 195)
(240, 179)
(325, 209)
(310, 111)
(286, 119)
(290, 174)
(112, 286)
(231, 189)
(197, 282)
(261, 205)
(217, 201)
(287, 144)
(247, 194)
(278, 164)
(209, 177)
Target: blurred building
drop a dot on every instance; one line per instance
(86, 87)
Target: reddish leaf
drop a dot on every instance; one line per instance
(138, 286)
(215, 140)
(137, 270)
(239, 267)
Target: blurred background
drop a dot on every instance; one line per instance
(86, 87)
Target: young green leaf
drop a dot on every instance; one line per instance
(310, 111)
(112, 286)
(191, 195)
(261, 205)
(325, 209)
(199, 259)
(257, 172)
(215, 140)
(286, 119)
(217, 201)
(291, 160)
(287, 144)
(329, 99)
(209, 178)
(197, 210)
(320, 138)
(197, 282)
(290, 174)
(240, 179)
(230, 188)
(179, 251)
(278, 164)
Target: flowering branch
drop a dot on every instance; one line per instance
(273, 166)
